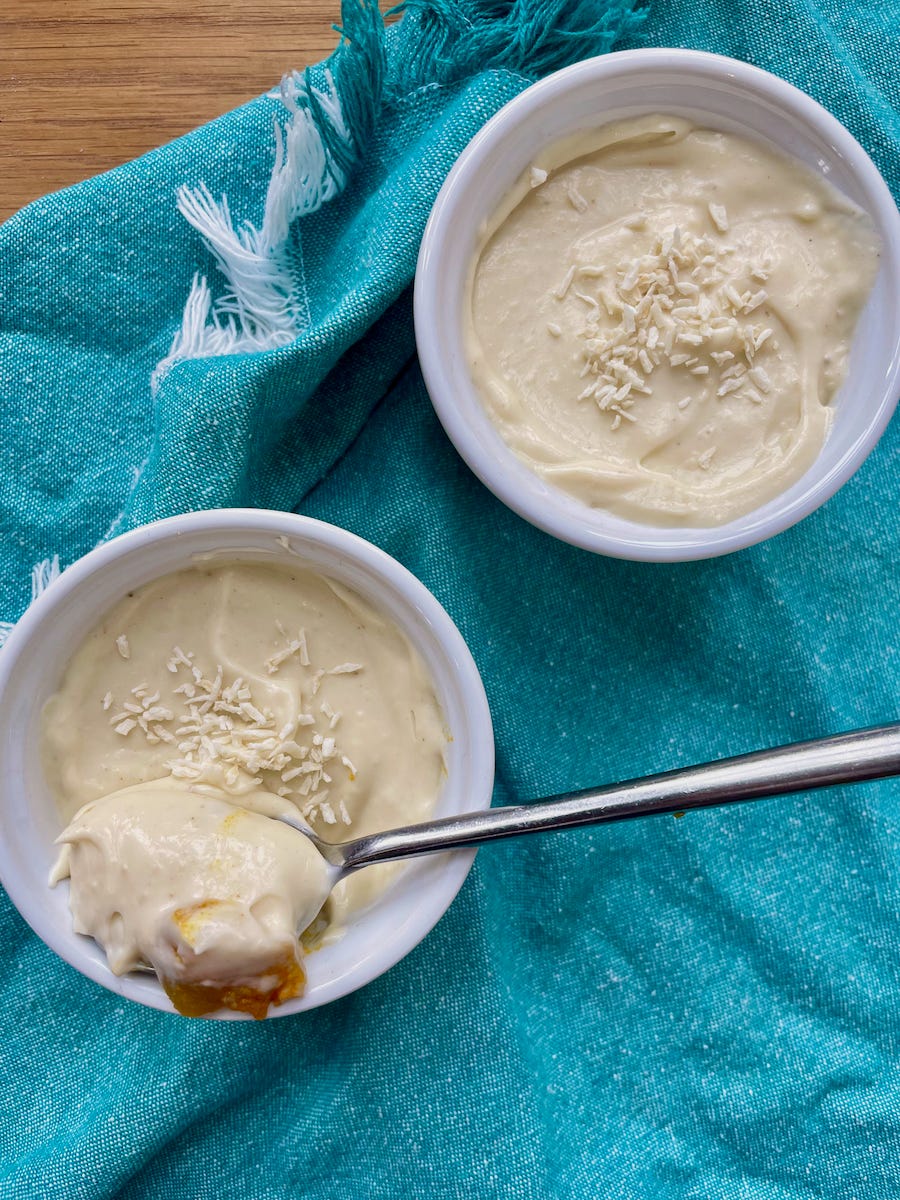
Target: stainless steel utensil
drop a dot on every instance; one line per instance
(824, 762)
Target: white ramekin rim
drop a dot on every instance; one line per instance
(437, 881)
(453, 222)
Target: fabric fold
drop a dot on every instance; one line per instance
(669, 1009)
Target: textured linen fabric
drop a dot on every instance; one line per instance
(675, 1010)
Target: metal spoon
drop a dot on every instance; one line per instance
(824, 762)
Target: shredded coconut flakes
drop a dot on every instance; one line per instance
(682, 305)
(218, 733)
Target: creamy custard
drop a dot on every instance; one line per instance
(659, 316)
(212, 896)
(237, 689)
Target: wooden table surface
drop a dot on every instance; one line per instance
(88, 84)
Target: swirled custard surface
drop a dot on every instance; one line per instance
(204, 703)
(659, 317)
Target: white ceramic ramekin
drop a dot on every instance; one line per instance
(719, 93)
(34, 657)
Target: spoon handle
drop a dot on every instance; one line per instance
(845, 758)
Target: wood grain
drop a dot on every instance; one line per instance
(88, 84)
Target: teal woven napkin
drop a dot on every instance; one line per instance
(669, 1009)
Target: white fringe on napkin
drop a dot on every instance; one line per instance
(42, 575)
(265, 305)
